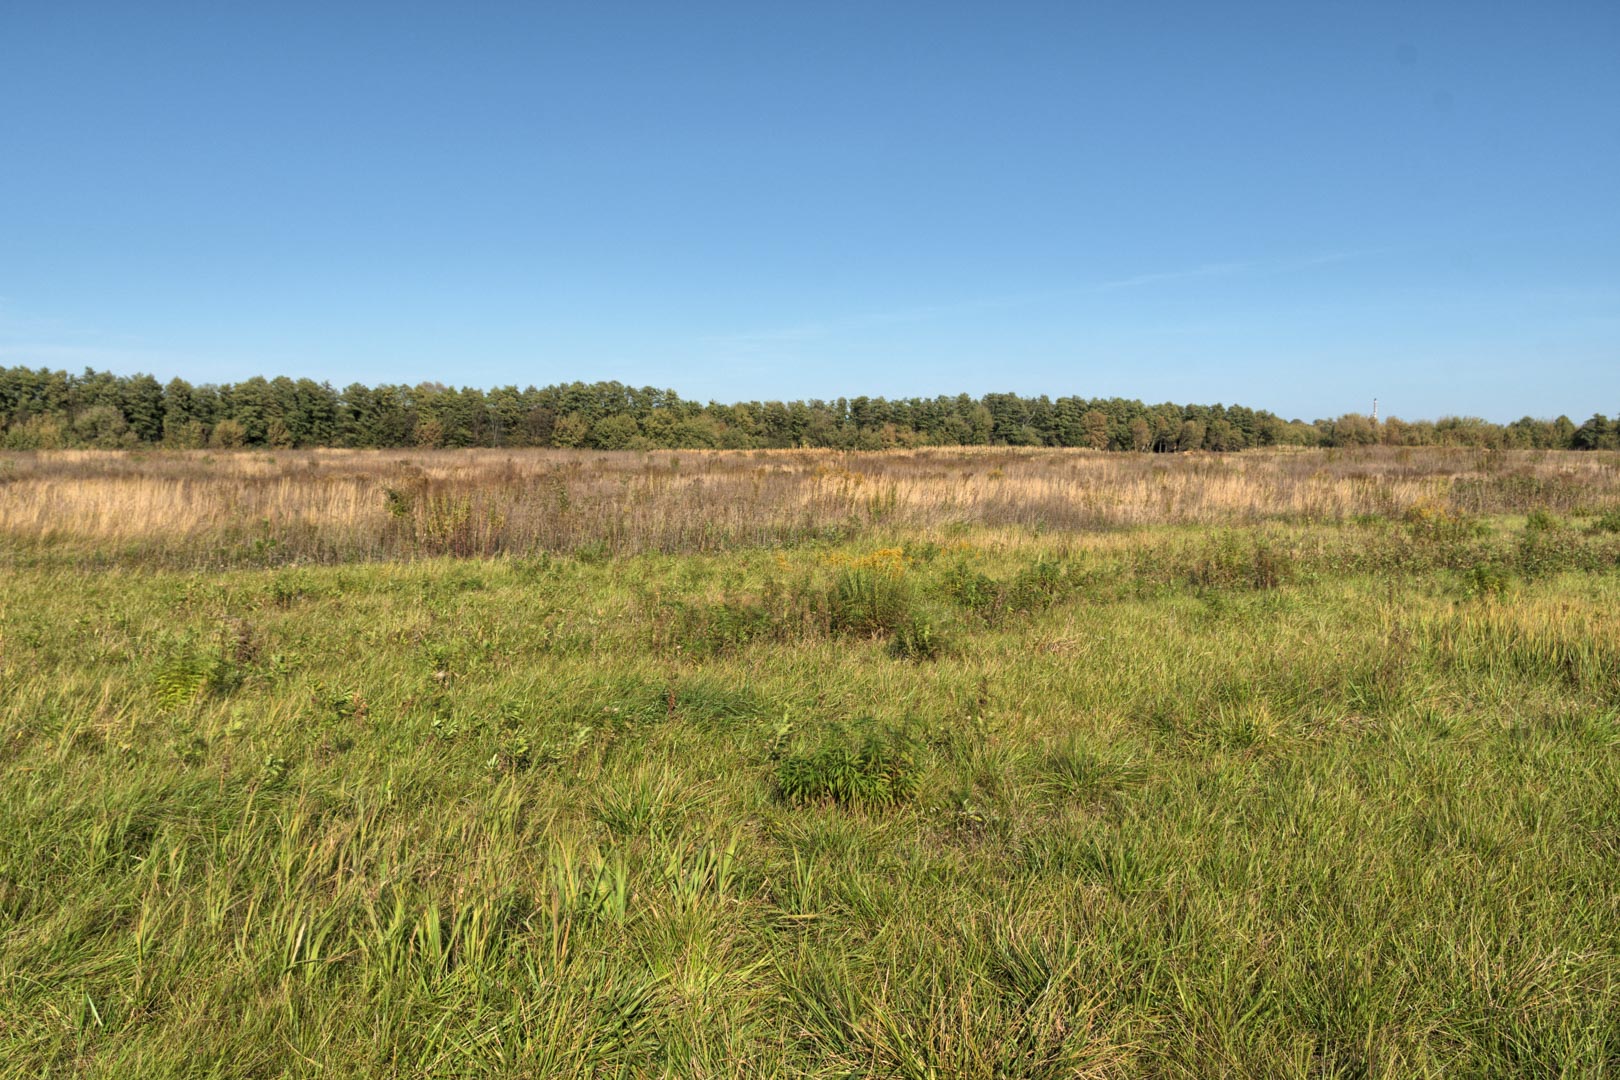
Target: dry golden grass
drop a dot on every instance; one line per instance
(342, 504)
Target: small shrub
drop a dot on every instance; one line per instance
(593, 553)
(917, 638)
(1430, 522)
(1485, 580)
(971, 588)
(1036, 587)
(968, 814)
(273, 770)
(1608, 522)
(877, 770)
(1237, 562)
(399, 504)
(1550, 551)
(287, 588)
(513, 753)
(704, 630)
(920, 550)
(339, 704)
(868, 601)
(447, 524)
(1540, 521)
(1270, 567)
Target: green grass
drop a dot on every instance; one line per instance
(1317, 802)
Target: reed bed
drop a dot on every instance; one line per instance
(338, 505)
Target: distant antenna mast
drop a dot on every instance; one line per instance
(1375, 410)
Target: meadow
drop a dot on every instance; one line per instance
(931, 763)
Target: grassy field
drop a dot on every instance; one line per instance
(932, 764)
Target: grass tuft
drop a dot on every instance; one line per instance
(870, 768)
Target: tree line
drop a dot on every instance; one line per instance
(44, 409)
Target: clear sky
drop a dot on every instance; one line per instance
(1296, 206)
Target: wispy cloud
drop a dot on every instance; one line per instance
(35, 339)
(801, 332)
(1249, 267)
(824, 328)
(808, 331)
(1328, 258)
(1226, 269)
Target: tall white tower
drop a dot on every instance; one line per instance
(1375, 410)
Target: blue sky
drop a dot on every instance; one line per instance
(1297, 206)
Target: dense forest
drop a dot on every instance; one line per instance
(42, 409)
